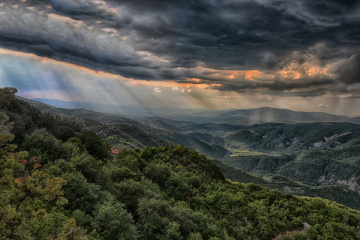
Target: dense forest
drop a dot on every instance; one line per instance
(314, 159)
(58, 181)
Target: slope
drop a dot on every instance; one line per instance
(135, 127)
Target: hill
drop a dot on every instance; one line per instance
(320, 155)
(72, 188)
(338, 166)
(336, 193)
(309, 153)
(110, 125)
(278, 137)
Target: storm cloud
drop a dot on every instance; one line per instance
(172, 40)
(348, 70)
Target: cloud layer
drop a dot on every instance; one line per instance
(297, 48)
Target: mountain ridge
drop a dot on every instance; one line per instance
(246, 116)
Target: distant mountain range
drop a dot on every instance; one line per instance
(263, 115)
(227, 116)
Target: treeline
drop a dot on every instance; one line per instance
(56, 186)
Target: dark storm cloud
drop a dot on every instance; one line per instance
(221, 34)
(237, 34)
(299, 84)
(275, 86)
(348, 70)
(324, 12)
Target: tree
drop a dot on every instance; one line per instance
(112, 221)
(95, 145)
(153, 217)
(30, 200)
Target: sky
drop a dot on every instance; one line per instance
(195, 54)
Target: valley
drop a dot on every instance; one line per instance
(59, 176)
(311, 158)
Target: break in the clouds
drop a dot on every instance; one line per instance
(299, 49)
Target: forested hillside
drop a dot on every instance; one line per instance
(325, 155)
(334, 192)
(278, 137)
(318, 159)
(116, 129)
(61, 183)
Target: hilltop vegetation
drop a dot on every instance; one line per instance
(66, 186)
(322, 157)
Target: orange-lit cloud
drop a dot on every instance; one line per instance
(305, 70)
(193, 80)
(75, 23)
(232, 75)
(292, 71)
